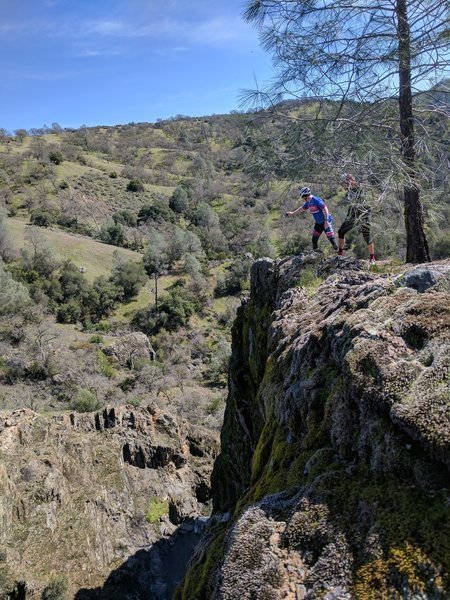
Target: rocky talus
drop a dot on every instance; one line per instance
(90, 498)
(333, 478)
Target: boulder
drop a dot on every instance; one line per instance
(425, 276)
(131, 347)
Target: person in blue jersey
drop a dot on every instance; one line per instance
(322, 217)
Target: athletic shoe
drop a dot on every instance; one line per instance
(372, 260)
(340, 252)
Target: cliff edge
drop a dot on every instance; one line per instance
(333, 478)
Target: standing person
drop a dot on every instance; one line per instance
(358, 214)
(319, 211)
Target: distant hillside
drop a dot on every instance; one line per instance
(93, 257)
(232, 168)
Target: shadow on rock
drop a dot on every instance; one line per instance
(151, 574)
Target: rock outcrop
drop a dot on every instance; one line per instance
(333, 478)
(130, 348)
(83, 494)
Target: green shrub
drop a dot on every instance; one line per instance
(135, 185)
(156, 508)
(106, 367)
(112, 233)
(56, 157)
(293, 242)
(128, 276)
(125, 217)
(179, 201)
(235, 279)
(39, 371)
(56, 589)
(69, 312)
(96, 339)
(309, 281)
(42, 218)
(135, 401)
(127, 384)
(214, 405)
(67, 221)
(174, 310)
(14, 295)
(84, 401)
(155, 212)
(441, 247)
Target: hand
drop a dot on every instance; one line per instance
(288, 214)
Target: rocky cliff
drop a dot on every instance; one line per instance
(87, 501)
(333, 478)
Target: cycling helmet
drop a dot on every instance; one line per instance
(304, 191)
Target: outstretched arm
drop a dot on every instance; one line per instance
(294, 212)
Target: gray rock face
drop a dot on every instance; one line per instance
(426, 276)
(95, 490)
(336, 441)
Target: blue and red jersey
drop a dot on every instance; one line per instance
(315, 205)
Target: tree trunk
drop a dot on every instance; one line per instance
(417, 249)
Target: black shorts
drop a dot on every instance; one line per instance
(358, 215)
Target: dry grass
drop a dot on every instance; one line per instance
(73, 169)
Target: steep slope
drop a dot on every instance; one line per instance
(333, 477)
(85, 496)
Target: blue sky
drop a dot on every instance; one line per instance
(108, 62)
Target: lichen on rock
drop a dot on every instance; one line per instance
(334, 463)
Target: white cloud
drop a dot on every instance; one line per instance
(104, 28)
(220, 30)
(216, 31)
(97, 52)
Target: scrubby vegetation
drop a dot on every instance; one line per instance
(153, 228)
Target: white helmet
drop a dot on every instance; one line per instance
(304, 191)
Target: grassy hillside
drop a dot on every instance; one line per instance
(96, 258)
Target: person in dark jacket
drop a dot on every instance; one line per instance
(358, 214)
